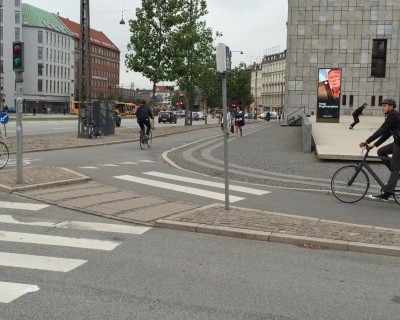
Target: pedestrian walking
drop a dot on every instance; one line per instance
(239, 121)
(34, 111)
(357, 113)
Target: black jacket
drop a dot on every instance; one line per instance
(391, 127)
(143, 113)
(358, 111)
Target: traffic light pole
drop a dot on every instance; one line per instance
(18, 90)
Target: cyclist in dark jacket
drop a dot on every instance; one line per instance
(391, 127)
(357, 113)
(143, 116)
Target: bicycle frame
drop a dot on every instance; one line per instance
(365, 164)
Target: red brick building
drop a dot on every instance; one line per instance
(105, 64)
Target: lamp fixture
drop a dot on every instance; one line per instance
(122, 20)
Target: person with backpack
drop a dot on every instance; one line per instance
(390, 127)
(143, 116)
(357, 113)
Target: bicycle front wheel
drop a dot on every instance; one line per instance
(150, 140)
(4, 154)
(350, 184)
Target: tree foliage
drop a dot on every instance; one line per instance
(150, 38)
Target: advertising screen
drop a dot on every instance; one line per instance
(328, 95)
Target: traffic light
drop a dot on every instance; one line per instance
(18, 56)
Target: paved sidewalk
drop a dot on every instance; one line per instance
(68, 189)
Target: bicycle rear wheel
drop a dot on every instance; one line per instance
(4, 154)
(346, 192)
(150, 140)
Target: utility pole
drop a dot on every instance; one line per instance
(85, 72)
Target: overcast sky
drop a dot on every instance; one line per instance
(256, 27)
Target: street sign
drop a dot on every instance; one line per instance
(4, 118)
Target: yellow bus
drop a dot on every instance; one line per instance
(74, 107)
(130, 108)
(120, 108)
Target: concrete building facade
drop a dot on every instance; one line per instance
(360, 37)
(273, 81)
(49, 61)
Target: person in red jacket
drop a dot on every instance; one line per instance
(390, 127)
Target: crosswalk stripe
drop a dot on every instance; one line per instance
(106, 227)
(39, 262)
(109, 165)
(88, 167)
(10, 291)
(128, 162)
(175, 187)
(206, 183)
(79, 225)
(58, 241)
(22, 205)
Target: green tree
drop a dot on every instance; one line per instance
(239, 86)
(191, 47)
(150, 37)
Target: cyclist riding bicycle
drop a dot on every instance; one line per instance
(143, 115)
(390, 127)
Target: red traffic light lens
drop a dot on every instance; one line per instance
(17, 49)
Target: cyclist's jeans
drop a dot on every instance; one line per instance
(147, 124)
(393, 164)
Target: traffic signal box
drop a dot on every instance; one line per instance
(18, 56)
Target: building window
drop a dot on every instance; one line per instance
(372, 101)
(40, 85)
(40, 69)
(378, 66)
(40, 36)
(17, 3)
(344, 100)
(17, 34)
(17, 17)
(351, 103)
(40, 53)
(380, 100)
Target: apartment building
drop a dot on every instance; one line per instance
(105, 63)
(273, 68)
(49, 61)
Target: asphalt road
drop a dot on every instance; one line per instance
(166, 274)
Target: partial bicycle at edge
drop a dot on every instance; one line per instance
(350, 183)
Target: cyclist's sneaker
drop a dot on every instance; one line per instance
(382, 196)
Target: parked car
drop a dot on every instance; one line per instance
(117, 119)
(180, 113)
(201, 115)
(167, 116)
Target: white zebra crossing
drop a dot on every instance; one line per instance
(10, 291)
(22, 205)
(190, 190)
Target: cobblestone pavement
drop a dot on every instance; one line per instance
(237, 222)
(267, 154)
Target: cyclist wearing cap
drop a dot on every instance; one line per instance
(390, 127)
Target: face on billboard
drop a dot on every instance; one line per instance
(334, 79)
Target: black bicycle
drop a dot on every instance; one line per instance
(145, 141)
(350, 183)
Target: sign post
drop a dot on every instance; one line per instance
(4, 118)
(223, 66)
